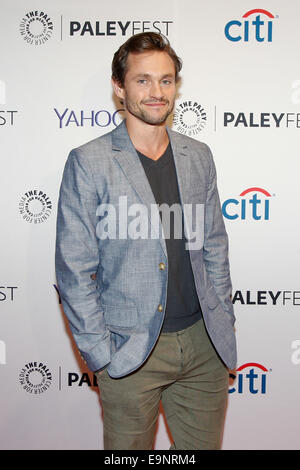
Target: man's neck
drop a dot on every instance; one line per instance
(150, 140)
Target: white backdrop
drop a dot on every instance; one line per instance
(240, 93)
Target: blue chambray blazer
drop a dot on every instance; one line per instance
(113, 289)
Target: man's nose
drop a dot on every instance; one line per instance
(155, 90)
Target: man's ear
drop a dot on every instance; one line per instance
(118, 89)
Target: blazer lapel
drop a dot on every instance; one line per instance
(183, 165)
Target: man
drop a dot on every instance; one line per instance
(150, 310)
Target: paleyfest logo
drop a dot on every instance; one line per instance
(36, 27)
(290, 298)
(118, 28)
(261, 120)
(257, 25)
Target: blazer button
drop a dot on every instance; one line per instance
(160, 308)
(162, 266)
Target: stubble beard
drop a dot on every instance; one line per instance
(146, 117)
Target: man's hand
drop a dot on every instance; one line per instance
(100, 371)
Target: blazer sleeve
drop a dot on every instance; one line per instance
(215, 247)
(77, 259)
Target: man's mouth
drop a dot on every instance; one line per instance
(155, 103)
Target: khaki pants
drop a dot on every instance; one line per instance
(187, 375)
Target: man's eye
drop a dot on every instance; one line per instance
(166, 82)
(142, 80)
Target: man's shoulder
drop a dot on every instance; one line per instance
(102, 146)
(92, 147)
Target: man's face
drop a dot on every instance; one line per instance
(149, 88)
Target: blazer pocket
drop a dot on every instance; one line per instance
(212, 298)
(120, 316)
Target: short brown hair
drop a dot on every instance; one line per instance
(137, 44)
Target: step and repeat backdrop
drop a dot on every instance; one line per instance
(240, 93)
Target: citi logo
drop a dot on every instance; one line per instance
(251, 378)
(256, 207)
(260, 28)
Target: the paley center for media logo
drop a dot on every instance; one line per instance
(255, 25)
(35, 206)
(36, 27)
(190, 117)
(35, 377)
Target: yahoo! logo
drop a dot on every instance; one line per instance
(236, 30)
(257, 207)
(101, 117)
(252, 380)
